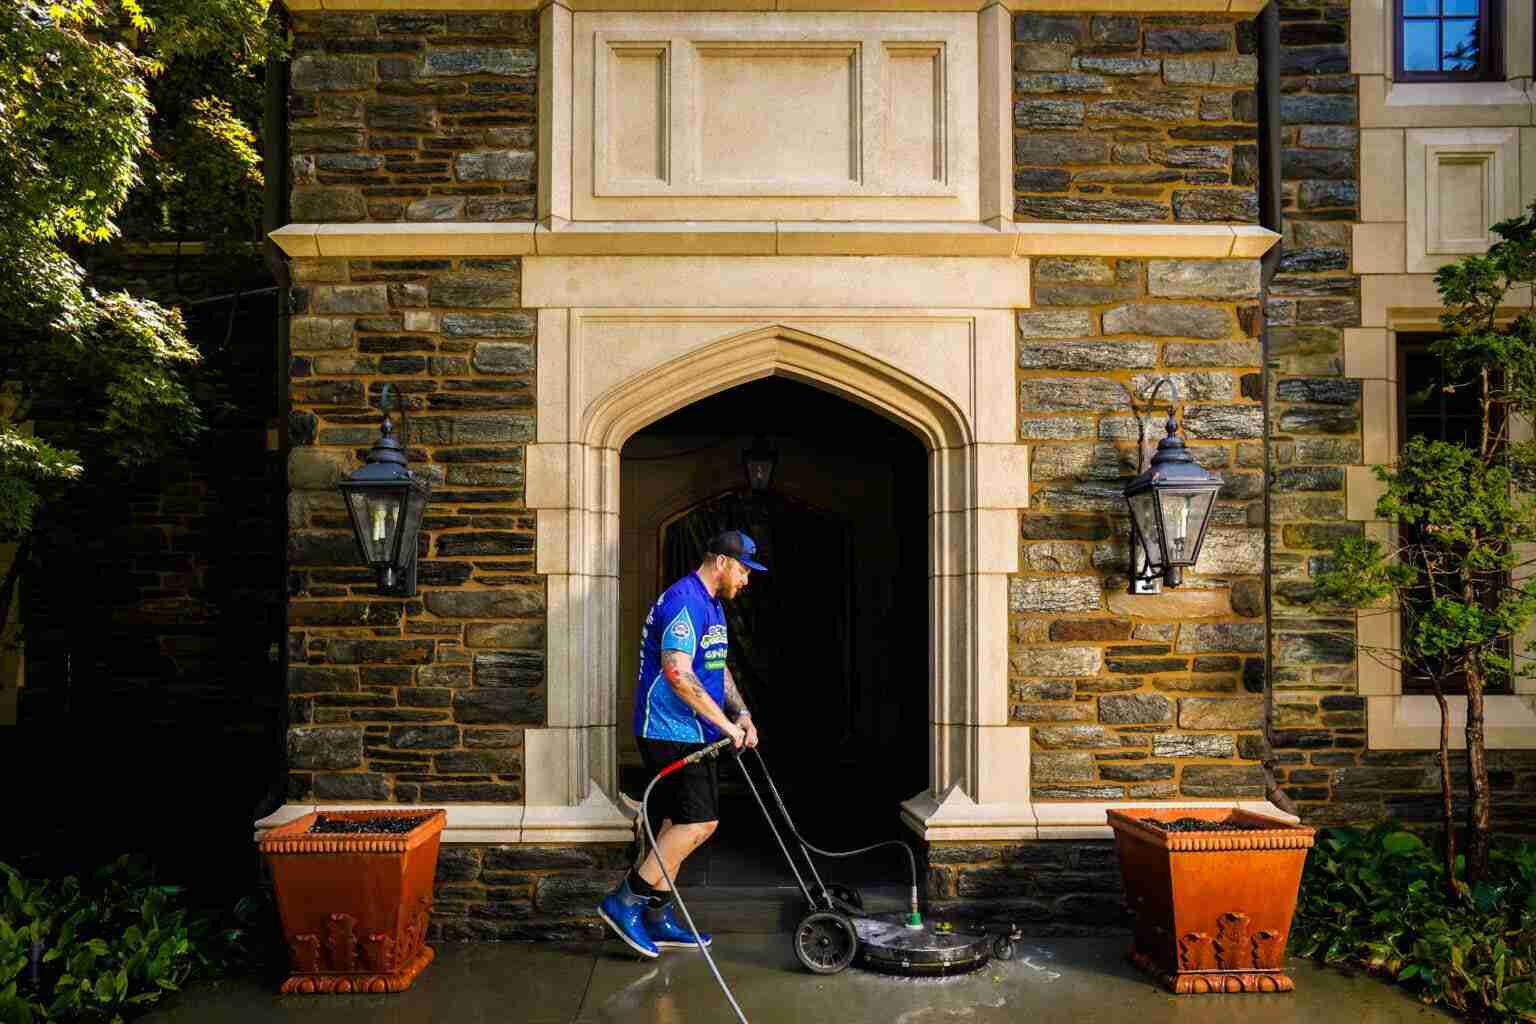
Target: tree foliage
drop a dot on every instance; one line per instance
(1456, 573)
(109, 108)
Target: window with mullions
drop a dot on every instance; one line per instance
(1427, 410)
(1449, 40)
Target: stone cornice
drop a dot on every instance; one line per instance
(784, 238)
(1053, 6)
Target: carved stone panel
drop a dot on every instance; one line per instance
(801, 116)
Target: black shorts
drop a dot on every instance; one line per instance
(688, 796)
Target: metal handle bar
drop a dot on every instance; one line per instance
(790, 822)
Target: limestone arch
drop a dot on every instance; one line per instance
(575, 487)
(775, 350)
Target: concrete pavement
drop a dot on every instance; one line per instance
(1076, 980)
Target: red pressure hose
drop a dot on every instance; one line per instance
(645, 820)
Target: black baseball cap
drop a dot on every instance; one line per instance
(737, 545)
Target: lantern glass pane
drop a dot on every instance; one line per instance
(1144, 510)
(1183, 514)
(415, 507)
(377, 515)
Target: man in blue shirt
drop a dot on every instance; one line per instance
(686, 700)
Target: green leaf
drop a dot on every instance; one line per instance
(1402, 842)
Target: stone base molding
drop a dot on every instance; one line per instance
(775, 238)
(955, 817)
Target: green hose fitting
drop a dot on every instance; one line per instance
(914, 920)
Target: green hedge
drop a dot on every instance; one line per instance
(1378, 899)
(106, 948)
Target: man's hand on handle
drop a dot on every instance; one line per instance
(737, 734)
(745, 721)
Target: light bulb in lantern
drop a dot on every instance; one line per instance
(1178, 526)
(378, 522)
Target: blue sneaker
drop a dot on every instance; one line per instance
(624, 912)
(669, 933)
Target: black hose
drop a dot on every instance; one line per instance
(783, 810)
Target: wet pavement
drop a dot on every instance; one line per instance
(1050, 980)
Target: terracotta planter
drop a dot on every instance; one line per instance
(1213, 909)
(355, 905)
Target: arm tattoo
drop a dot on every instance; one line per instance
(735, 707)
(678, 669)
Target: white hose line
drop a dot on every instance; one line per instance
(645, 819)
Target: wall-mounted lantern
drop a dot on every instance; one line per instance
(1170, 507)
(759, 462)
(386, 502)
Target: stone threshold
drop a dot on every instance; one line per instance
(774, 238)
(955, 817)
(1052, 6)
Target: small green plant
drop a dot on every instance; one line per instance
(1377, 898)
(107, 948)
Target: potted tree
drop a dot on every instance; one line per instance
(354, 891)
(1213, 890)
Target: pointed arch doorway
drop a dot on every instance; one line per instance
(829, 648)
(944, 375)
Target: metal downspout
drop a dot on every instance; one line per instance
(274, 214)
(1268, 25)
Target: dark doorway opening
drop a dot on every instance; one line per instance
(830, 647)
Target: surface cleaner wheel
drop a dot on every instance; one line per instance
(825, 942)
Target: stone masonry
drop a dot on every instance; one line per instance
(1315, 414)
(413, 116)
(1118, 118)
(1316, 423)
(1124, 118)
(420, 699)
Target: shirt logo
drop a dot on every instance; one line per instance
(680, 630)
(715, 635)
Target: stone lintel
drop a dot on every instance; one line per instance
(1053, 6)
(776, 238)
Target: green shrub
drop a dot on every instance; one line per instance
(107, 948)
(1379, 899)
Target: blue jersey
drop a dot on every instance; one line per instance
(685, 618)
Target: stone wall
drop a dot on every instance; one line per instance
(420, 699)
(1139, 696)
(524, 893)
(1055, 888)
(1318, 430)
(413, 116)
(1126, 118)
(1319, 721)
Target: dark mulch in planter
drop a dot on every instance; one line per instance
(1205, 825)
(325, 824)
